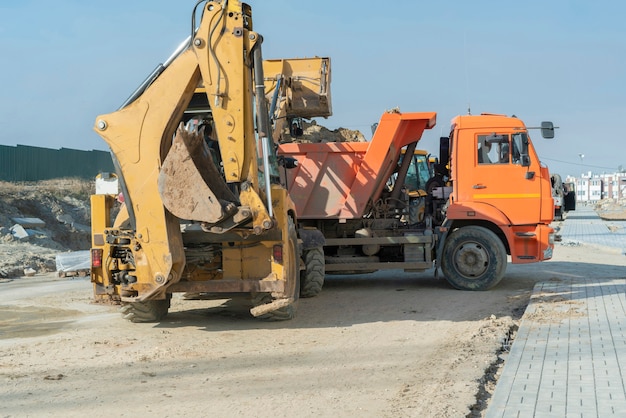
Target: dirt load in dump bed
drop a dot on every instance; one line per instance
(312, 132)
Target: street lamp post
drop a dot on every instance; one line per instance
(581, 161)
(581, 173)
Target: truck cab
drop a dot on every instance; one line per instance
(499, 183)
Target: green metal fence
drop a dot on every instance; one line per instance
(26, 163)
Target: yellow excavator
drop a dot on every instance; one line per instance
(204, 212)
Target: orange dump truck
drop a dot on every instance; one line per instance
(489, 197)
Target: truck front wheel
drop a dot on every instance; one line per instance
(473, 258)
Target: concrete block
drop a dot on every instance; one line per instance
(29, 222)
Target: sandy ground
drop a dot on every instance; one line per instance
(390, 344)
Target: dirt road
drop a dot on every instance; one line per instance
(390, 344)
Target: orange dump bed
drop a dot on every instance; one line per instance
(336, 180)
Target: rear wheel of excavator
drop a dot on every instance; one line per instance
(474, 258)
(292, 282)
(312, 277)
(147, 311)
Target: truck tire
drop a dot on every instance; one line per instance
(148, 311)
(473, 258)
(312, 277)
(287, 312)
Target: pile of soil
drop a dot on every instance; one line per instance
(64, 207)
(612, 209)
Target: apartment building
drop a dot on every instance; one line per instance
(592, 187)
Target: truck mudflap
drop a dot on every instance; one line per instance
(192, 187)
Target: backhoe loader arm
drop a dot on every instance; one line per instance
(167, 173)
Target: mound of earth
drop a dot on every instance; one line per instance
(611, 209)
(60, 210)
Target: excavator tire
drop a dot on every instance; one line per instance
(312, 277)
(286, 312)
(473, 258)
(148, 311)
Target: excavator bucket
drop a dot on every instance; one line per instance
(190, 184)
(296, 88)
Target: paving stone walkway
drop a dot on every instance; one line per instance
(584, 225)
(569, 355)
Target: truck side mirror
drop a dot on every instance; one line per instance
(547, 130)
(525, 160)
(444, 150)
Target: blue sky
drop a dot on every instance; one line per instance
(65, 62)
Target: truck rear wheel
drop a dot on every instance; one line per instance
(312, 277)
(292, 286)
(148, 311)
(473, 258)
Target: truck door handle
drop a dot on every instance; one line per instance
(479, 186)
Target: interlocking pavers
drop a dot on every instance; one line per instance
(584, 225)
(569, 356)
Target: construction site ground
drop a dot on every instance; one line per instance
(387, 344)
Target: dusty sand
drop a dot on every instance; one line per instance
(389, 344)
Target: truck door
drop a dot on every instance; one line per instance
(569, 191)
(504, 176)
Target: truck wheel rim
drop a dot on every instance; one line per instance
(471, 259)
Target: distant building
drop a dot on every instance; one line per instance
(592, 187)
